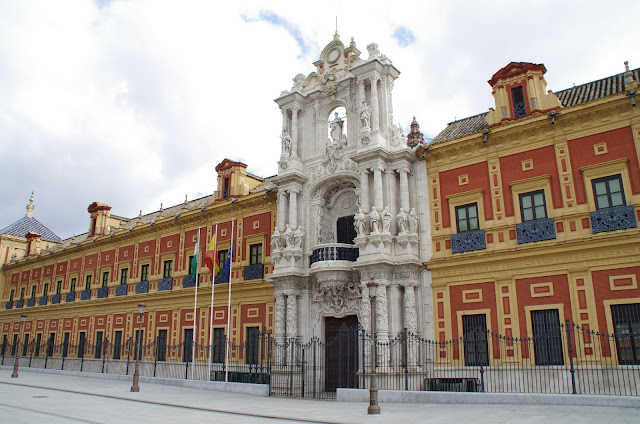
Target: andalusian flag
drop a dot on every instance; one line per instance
(211, 257)
(194, 262)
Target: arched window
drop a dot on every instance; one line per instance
(345, 229)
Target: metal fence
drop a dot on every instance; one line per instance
(564, 358)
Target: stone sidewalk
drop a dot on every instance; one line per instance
(59, 398)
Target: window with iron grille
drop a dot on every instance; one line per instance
(117, 344)
(547, 338)
(137, 347)
(519, 105)
(608, 192)
(82, 344)
(36, 350)
(144, 272)
(476, 347)
(14, 346)
(65, 345)
(98, 347)
(219, 345)
(168, 267)
(626, 325)
(161, 346)
(188, 345)
(467, 217)
(50, 343)
(105, 278)
(123, 275)
(87, 283)
(533, 206)
(25, 345)
(4, 344)
(255, 254)
(252, 345)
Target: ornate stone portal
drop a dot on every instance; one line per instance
(348, 208)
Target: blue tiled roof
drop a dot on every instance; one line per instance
(26, 224)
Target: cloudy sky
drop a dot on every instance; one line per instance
(134, 102)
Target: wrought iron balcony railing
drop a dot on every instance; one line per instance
(122, 289)
(468, 241)
(537, 230)
(43, 301)
(85, 295)
(253, 272)
(103, 292)
(19, 303)
(55, 299)
(71, 297)
(31, 302)
(165, 284)
(142, 287)
(612, 219)
(9, 305)
(188, 281)
(334, 252)
(222, 276)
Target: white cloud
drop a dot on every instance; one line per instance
(134, 103)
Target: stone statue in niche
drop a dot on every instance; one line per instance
(276, 243)
(360, 223)
(297, 238)
(413, 221)
(336, 126)
(374, 216)
(402, 219)
(286, 143)
(365, 115)
(386, 221)
(288, 237)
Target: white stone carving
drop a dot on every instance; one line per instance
(360, 223)
(365, 115)
(398, 135)
(386, 221)
(374, 220)
(402, 219)
(286, 143)
(373, 50)
(297, 238)
(413, 221)
(288, 237)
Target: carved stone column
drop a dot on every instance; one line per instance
(375, 118)
(377, 189)
(292, 316)
(282, 211)
(294, 132)
(410, 322)
(279, 325)
(404, 190)
(361, 96)
(382, 323)
(364, 188)
(392, 199)
(293, 209)
(395, 305)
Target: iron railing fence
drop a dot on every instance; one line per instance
(564, 358)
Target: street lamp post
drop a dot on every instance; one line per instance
(136, 375)
(16, 364)
(373, 408)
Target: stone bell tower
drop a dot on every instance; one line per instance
(348, 205)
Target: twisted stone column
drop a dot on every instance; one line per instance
(279, 325)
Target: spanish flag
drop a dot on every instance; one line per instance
(211, 258)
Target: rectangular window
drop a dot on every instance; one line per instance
(98, 346)
(105, 278)
(138, 348)
(58, 287)
(188, 345)
(25, 345)
(144, 272)
(33, 292)
(168, 265)
(36, 350)
(11, 296)
(219, 345)
(190, 265)
(253, 345)
(626, 325)
(547, 339)
(123, 275)
(45, 290)
(14, 346)
(73, 285)
(255, 256)
(467, 217)
(161, 346)
(4, 344)
(519, 105)
(22, 293)
(608, 192)
(346, 230)
(87, 284)
(82, 344)
(225, 192)
(476, 347)
(65, 345)
(117, 344)
(51, 343)
(222, 257)
(533, 206)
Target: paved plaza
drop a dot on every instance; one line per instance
(57, 398)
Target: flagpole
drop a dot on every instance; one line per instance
(195, 303)
(226, 358)
(213, 282)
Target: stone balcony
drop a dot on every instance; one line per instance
(468, 241)
(613, 219)
(537, 230)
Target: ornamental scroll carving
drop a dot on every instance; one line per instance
(337, 299)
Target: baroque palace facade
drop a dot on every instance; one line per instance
(87, 288)
(534, 210)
